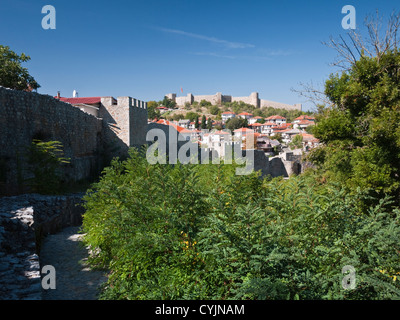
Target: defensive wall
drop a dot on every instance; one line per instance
(89, 141)
(219, 98)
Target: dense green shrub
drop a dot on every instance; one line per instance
(202, 232)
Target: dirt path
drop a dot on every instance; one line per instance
(74, 279)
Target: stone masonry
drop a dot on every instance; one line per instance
(24, 221)
(219, 98)
(89, 142)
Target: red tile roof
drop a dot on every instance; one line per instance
(243, 130)
(305, 117)
(190, 131)
(275, 117)
(305, 122)
(85, 100)
(284, 125)
(245, 114)
(269, 124)
(228, 112)
(220, 132)
(168, 123)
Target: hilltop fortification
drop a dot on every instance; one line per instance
(219, 98)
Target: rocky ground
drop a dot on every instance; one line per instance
(55, 220)
(74, 279)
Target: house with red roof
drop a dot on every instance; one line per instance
(191, 134)
(227, 115)
(255, 119)
(240, 134)
(266, 127)
(169, 123)
(162, 109)
(245, 115)
(302, 124)
(256, 127)
(304, 117)
(217, 141)
(277, 119)
(89, 105)
(309, 141)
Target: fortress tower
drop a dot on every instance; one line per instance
(126, 117)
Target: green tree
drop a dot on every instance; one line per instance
(297, 142)
(204, 103)
(235, 123)
(192, 116)
(177, 116)
(166, 102)
(209, 124)
(362, 128)
(214, 110)
(152, 111)
(12, 74)
(203, 124)
(45, 159)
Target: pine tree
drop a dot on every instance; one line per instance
(203, 122)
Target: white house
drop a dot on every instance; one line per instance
(217, 141)
(254, 119)
(245, 115)
(191, 135)
(227, 115)
(276, 119)
(302, 124)
(266, 128)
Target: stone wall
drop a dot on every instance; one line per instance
(213, 99)
(25, 116)
(89, 142)
(278, 105)
(252, 99)
(126, 119)
(24, 221)
(219, 98)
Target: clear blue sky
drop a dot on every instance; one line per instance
(146, 49)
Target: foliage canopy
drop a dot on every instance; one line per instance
(12, 74)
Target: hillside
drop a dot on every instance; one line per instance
(214, 111)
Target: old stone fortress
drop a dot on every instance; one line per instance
(219, 98)
(92, 130)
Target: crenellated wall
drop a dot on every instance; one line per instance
(219, 98)
(89, 141)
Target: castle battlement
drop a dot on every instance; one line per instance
(127, 117)
(92, 130)
(219, 98)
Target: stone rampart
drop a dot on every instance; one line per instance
(25, 116)
(89, 142)
(219, 98)
(24, 221)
